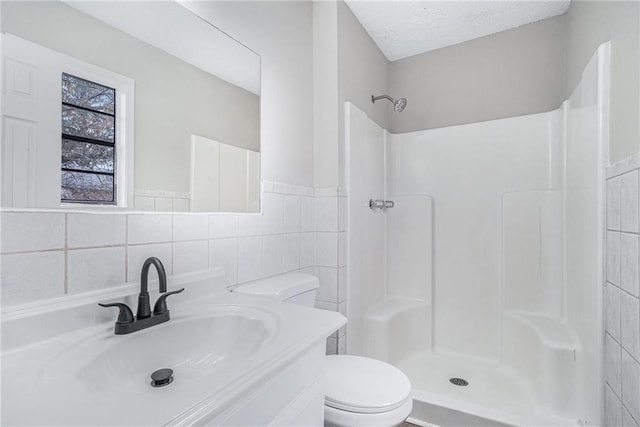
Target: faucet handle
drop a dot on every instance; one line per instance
(125, 315)
(161, 304)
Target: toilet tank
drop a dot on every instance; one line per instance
(296, 288)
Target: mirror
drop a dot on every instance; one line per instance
(136, 105)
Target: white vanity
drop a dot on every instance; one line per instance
(237, 360)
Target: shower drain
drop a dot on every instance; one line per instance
(459, 382)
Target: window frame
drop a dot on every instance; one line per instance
(94, 141)
(124, 132)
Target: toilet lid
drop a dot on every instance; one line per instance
(364, 385)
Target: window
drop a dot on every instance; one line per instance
(88, 142)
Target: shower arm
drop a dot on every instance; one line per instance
(376, 98)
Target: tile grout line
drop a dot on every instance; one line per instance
(606, 384)
(126, 249)
(66, 257)
(629, 412)
(172, 245)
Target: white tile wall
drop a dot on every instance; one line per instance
(249, 225)
(50, 254)
(342, 285)
(328, 277)
(342, 213)
(629, 263)
(326, 249)
(342, 249)
(307, 214)
(613, 257)
(282, 188)
(631, 385)
(161, 201)
(627, 419)
(612, 364)
(629, 325)
(290, 252)
(89, 269)
(223, 226)
(249, 259)
(326, 212)
(613, 203)
(612, 310)
(629, 201)
(190, 227)
(622, 307)
(307, 250)
(224, 252)
(88, 230)
(27, 277)
(272, 255)
(332, 345)
(181, 205)
(329, 214)
(137, 254)
(612, 408)
(163, 204)
(149, 228)
(145, 203)
(27, 232)
(272, 213)
(292, 211)
(190, 256)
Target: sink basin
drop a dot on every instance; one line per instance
(192, 346)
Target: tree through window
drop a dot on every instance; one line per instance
(88, 141)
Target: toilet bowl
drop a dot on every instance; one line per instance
(359, 391)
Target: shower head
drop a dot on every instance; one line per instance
(398, 104)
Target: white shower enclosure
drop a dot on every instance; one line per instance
(490, 266)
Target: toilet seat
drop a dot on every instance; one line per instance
(353, 384)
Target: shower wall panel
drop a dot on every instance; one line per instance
(532, 252)
(587, 144)
(410, 248)
(466, 170)
(366, 228)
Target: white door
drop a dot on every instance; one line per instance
(31, 125)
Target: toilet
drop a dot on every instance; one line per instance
(359, 391)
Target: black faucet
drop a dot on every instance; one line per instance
(144, 319)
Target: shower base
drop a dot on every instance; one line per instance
(495, 395)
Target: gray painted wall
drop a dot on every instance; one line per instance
(529, 69)
(589, 24)
(511, 73)
(325, 94)
(362, 72)
(348, 66)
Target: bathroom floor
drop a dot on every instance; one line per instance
(493, 391)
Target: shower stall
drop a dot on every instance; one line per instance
(483, 282)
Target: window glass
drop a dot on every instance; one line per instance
(87, 94)
(88, 163)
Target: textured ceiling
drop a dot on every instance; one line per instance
(403, 28)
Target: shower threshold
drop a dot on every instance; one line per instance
(494, 396)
